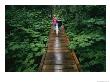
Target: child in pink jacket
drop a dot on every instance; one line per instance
(54, 22)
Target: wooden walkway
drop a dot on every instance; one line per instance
(58, 57)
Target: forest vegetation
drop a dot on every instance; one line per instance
(27, 30)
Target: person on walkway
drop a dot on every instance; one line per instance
(54, 22)
(55, 25)
(57, 30)
(59, 24)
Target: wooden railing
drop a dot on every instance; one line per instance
(43, 57)
(73, 54)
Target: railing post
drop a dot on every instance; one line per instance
(63, 30)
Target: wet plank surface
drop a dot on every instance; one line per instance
(60, 68)
(58, 58)
(58, 62)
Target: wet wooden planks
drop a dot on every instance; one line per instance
(58, 57)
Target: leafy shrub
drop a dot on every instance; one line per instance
(26, 37)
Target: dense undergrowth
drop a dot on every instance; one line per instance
(27, 29)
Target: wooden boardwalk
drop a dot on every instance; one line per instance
(58, 57)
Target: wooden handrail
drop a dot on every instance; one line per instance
(43, 58)
(72, 52)
(76, 60)
(41, 64)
